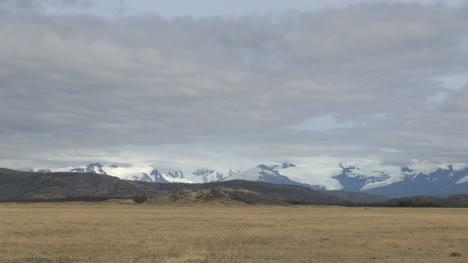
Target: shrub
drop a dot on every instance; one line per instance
(405, 203)
(140, 199)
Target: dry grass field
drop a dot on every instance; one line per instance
(77, 232)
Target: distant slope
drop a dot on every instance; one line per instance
(269, 174)
(428, 201)
(442, 183)
(218, 195)
(357, 197)
(16, 185)
(282, 192)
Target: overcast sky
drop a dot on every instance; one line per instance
(233, 83)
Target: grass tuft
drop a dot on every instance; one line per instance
(49, 260)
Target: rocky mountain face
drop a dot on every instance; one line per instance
(352, 180)
(209, 175)
(441, 182)
(270, 174)
(406, 182)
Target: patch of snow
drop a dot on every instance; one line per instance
(128, 173)
(249, 175)
(463, 180)
(427, 167)
(389, 181)
(315, 175)
(459, 166)
(176, 180)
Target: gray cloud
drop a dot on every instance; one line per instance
(34, 6)
(84, 83)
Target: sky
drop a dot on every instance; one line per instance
(232, 84)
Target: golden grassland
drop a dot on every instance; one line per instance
(101, 232)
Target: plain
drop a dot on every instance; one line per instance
(107, 232)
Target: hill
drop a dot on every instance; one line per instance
(357, 197)
(18, 185)
(282, 192)
(218, 195)
(430, 201)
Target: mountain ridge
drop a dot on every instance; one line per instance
(408, 182)
(73, 186)
(21, 185)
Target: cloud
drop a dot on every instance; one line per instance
(86, 84)
(323, 123)
(35, 6)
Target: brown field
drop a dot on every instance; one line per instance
(77, 232)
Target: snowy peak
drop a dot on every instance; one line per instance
(352, 179)
(233, 172)
(269, 174)
(448, 175)
(287, 165)
(90, 168)
(209, 176)
(276, 166)
(441, 182)
(391, 181)
(143, 173)
(176, 174)
(142, 178)
(267, 167)
(170, 177)
(157, 177)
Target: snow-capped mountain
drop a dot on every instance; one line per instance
(441, 182)
(209, 175)
(391, 181)
(270, 174)
(353, 179)
(144, 173)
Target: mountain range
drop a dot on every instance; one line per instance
(43, 186)
(21, 186)
(408, 182)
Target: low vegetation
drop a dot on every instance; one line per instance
(116, 232)
(218, 195)
(140, 199)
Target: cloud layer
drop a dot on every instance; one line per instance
(387, 80)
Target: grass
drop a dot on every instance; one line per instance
(113, 232)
